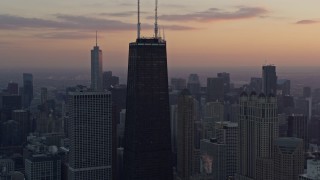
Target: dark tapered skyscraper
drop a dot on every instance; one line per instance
(147, 153)
(27, 93)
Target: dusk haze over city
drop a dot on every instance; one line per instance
(160, 90)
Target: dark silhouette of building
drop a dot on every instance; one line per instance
(284, 86)
(109, 80)
(147, 151)
(194, 84)
(298, 127)
(269, 80)
(215, 89)
(13, 88)
(27, 93)
(8, 103)
(96, 68)
(306, 92)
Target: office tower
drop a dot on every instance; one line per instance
(41, 161)
(187, 116)
(258, 127)
(194, 84)
(284, 86)
(178, 84)
(109, 80)
(8, 164)
(90, 133)
(27, 94)
(213, 159)
(298, 127)
(120, 128)
(215, 89)
(226, 80)
(213, 112)
(96, 68)
(288, 158)
(227, 133)
(147, 151)
(269, 80)
(23, 118)
(306, 92)
(13, 88)
(313, 170)
(256, 84)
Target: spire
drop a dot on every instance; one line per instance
(96, 38)
(164, 35)
(139, 24)
(156, 29)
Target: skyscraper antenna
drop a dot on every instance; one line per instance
(96, 38)
(139, 24)
(164, 35)
(156, 29)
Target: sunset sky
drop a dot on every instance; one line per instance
(199, 33)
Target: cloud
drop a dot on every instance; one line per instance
(71, 22)
(215, 14)
(65, 35)
(307, 21)
(122, 14)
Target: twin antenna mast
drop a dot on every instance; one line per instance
(156, 28)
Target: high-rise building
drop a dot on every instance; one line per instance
(27, 94)
(269, 80)
(288, 158)
(213, 159)
(96, 68)
(178, 84)
(194, 84)
(226, 80)
(215, 89)
(258, 127)
(227, 133)
(298, 127)
(313, 170)
(213, 112)
(307, 92)
(284, 86)
(8, 103)
(256, 84)
(186, 152)
(147, 151)
(90, 133)
(23, 118)
(13, 88)
(44, 95)
(109, 80)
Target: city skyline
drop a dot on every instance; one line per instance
(221, 33)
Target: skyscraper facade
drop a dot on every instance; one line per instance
(226, 80)
(298, 127)
(288, 158)
(186, 152)
(258, 127)
(194, 84)
(96, 68)
(27, 94)
(269, 80)
(147, 153)
(90, 133)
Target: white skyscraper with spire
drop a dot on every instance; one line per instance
(96, 67)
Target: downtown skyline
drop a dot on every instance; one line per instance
(203, 34)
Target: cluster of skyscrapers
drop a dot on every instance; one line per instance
(149, 129)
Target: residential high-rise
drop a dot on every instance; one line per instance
(288, 158)
(90, 133)
(215, 89)
(298, 127)
(147, 151)
(186, 152)
(258, 127)
(27, 94)
(269, 80)
(213, 112)
(227, 133)
(96, 68)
